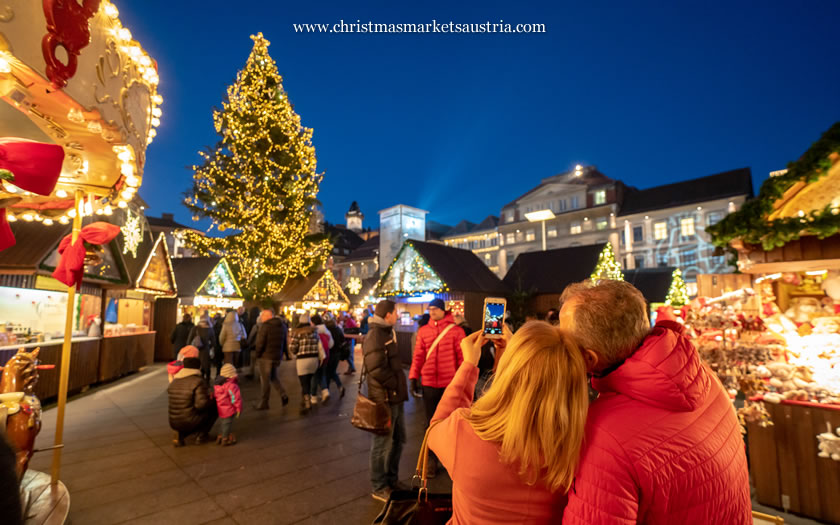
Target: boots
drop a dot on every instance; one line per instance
(231, 440)
(325, 395)
(306, 403)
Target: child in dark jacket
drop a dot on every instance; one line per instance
(229, 402)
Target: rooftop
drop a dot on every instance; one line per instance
(718, 186)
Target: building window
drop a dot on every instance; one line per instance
(487, 260)
(689, 258)
(687, 226)
(519, 236)
(509, 216)
(660, 230)
(713, 218)
(530, 235)
(509, 238)
(601, 224)
(551, 232)
(352, 270)
(639, 260)
(600, 197)
(561, 205)
(621, 238)
(493, 241)
(573, 203)
(510, 259)
(638, 234)
(575, 228)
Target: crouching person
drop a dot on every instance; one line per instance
(192, 409)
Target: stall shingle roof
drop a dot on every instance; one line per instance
(34, 241)
(549, 272)
(652, 282)
(190, 272)
(297, 288)
(461, 270)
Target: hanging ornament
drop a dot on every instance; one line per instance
(132, 233)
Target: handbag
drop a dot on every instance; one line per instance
(370, 415)
(417, 506)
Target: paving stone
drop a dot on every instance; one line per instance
(194, 513)
(84, 499)
(139, 505)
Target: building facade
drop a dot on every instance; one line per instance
(583, 205)
(665, 225)
(482, 239)
(166, 224)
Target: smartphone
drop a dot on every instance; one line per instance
(494, 317)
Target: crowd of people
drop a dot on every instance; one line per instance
(660, 444)
(252, 343)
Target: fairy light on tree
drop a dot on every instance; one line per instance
(260, 183)
(607, 268)
(678, 292)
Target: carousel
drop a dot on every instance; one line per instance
(79, 106)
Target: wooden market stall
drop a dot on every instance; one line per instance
(317, 292)
(203, 283)
(423, 271)
(129, 336)
(788, 241)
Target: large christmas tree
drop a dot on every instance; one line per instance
(259, 183)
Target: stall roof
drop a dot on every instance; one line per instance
(718, 186)
(296, 290)
(550, 271)
(652, 282)
(190, 273)
(34, 243)
(461, 270)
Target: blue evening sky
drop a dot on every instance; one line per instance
(650, 92)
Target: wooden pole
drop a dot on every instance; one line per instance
(65, 351)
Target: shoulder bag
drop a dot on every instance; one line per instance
(417, 506)
(369, 415)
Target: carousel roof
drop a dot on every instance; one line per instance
(100, 104)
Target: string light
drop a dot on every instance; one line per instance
(258, 184)
(607, 267)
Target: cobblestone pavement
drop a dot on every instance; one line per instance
(120, 467)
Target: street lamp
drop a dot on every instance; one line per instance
(540, 216)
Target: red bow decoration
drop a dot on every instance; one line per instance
(35, 167)
(71, 265)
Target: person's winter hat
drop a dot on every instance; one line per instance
(189, 351)
(192, 362)
(438, 303)
(228, 371)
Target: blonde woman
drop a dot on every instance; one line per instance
(512, 455)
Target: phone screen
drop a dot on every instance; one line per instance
(494, 318)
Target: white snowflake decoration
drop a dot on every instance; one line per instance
(355, 285)
(132, 234)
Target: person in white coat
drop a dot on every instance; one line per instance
(231, 337)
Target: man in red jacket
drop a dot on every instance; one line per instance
(663, 445)
(434, 365)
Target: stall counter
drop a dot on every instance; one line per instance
(84, 364)
(121, 354)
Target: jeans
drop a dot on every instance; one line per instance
(226, 424)
(330, 374)
(385, 452)
(306, 383)
(352, 354)
(269, 372)
(317, 377)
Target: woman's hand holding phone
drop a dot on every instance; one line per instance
(471, 347)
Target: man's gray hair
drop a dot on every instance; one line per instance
(610, 318)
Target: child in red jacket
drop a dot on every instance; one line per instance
(228, 401)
